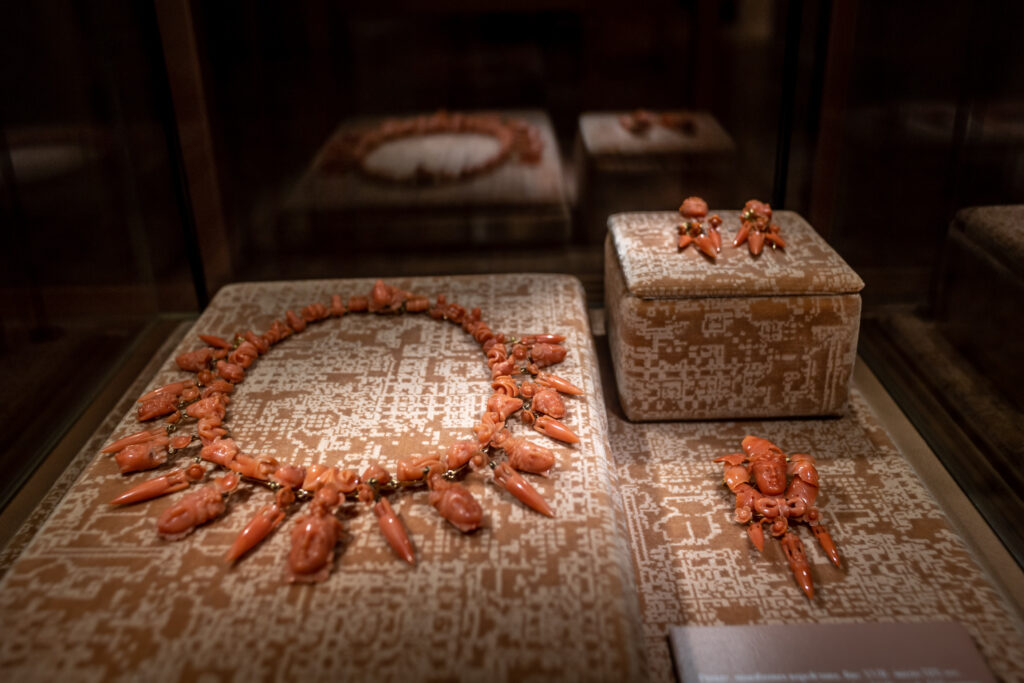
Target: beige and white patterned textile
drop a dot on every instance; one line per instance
(739, 337)
(902, 562)
(96, 595)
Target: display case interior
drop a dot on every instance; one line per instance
(157, 156)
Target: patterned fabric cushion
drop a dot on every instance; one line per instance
(901, 559)
(741, 337)
(97, 592)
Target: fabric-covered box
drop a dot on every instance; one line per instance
(737, 337)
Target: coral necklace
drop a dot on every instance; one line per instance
(520, 387)
(516, 139)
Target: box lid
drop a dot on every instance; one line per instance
(654, 268)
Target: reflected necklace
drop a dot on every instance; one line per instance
(515, 137)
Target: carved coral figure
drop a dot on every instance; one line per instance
(695, 230)
(774, 502)
(756, 228)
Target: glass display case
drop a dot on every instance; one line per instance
(166, 160)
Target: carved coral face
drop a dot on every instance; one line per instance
(767, 464)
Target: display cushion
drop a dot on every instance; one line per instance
(97, 593)
(510, 202)
(902, 560)
(774, 335)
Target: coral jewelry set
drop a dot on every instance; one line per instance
(756, 228)
(195, 410)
